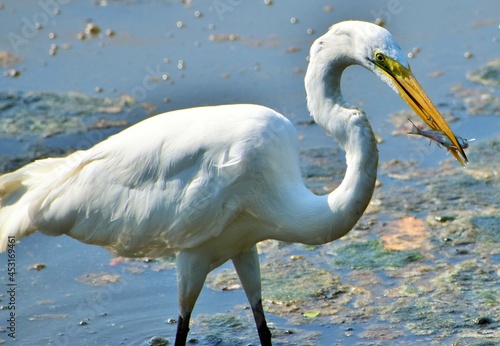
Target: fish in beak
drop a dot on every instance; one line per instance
(410, 90)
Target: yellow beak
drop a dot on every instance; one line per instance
(411, 91)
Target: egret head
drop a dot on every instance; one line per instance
(373, 47)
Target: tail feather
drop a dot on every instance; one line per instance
(19, 191)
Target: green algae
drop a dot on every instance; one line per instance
(49, 113)
(487, 75)
(297, 281)
(489, 226)
(285, 282)
(322, 168)
(371, 254)
(236, 328)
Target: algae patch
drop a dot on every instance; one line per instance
(237, 328)
(49, 113)
(487, 75)
(371, 254)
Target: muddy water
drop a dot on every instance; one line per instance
(421, 267)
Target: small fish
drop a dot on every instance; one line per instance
(440, 137)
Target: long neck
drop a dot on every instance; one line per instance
(330, 217)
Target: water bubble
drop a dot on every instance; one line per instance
(198, 14)
(294, 20)
(180, 24)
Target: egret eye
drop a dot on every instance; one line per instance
(380, 57)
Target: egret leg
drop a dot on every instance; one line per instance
(248, 269)
(182, 330)
(192, 271)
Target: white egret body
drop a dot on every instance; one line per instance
(206, 184)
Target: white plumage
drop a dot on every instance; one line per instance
(173, 181)
(206, 184)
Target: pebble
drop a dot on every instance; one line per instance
(157, 341)
(92, 29)
(468, 55)
(37, 266)
(328, 8)
(443, 218)
(12, 73)
(380, 22)
(482, 320)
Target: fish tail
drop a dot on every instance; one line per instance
(414, 130)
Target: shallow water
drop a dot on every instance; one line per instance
(440, 285)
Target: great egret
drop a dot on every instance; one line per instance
(206, 184)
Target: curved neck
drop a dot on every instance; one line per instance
(327, 218)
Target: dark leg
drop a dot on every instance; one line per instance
(260, 321)
(192, 270)
(182, 331)
(248, 269)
